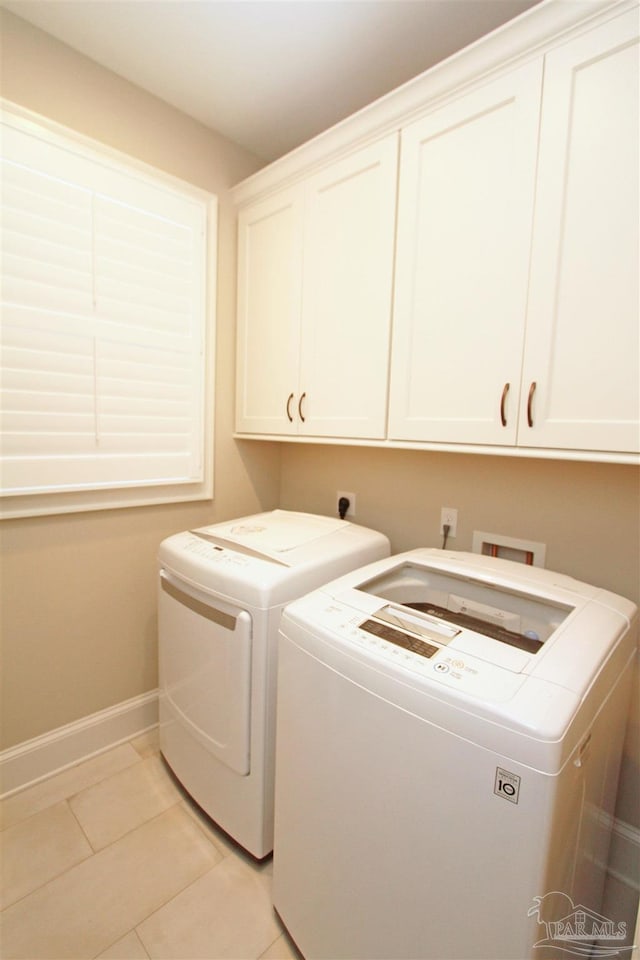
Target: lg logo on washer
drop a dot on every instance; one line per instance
(507, 785)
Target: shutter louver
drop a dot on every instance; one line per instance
(102, 340)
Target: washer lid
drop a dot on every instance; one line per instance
(486, 622)
(497, 622)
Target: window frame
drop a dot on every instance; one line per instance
(136, 495)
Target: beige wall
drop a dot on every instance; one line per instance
(586, 513)
(78, 604)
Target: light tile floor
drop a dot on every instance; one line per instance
(111, 859)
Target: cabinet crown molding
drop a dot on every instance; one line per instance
(529, 35)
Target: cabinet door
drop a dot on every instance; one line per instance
(269, 301)
(347, 292)
(465, 211)
(582, 334)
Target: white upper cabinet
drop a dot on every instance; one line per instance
(582, 348)
(269, 303)
(467, 181)
(347, 294)
(504, 242)
(314, 301)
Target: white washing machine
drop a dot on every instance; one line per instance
(449, 734)
(221, 592)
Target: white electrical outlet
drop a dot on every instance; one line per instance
(351, 497)
(449, 516)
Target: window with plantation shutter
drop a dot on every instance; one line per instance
(105, 379)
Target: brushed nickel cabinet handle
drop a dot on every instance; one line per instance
(300, 413)
(503, 400)
(532, 390)
(288, 408)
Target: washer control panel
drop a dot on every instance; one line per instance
(439, 661)
(400, 638)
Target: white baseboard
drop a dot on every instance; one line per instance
(622, 884)
(624, 854)
(36, 759)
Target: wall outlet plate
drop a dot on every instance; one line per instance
(351, 497)
(449, 516)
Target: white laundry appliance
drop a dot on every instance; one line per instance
(449, 733)
(221, 592)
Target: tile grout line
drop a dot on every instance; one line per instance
(118, 939)
(72, 766)
(61, 773)
(55, 876)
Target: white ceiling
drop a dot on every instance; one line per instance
(268, 74)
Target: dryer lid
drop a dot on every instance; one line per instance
(275, 535)
(268, 559)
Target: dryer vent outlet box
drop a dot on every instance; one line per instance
(529, 552)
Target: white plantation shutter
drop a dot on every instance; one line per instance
(103, 323)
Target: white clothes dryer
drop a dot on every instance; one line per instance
(221, 592)
(449, 732)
